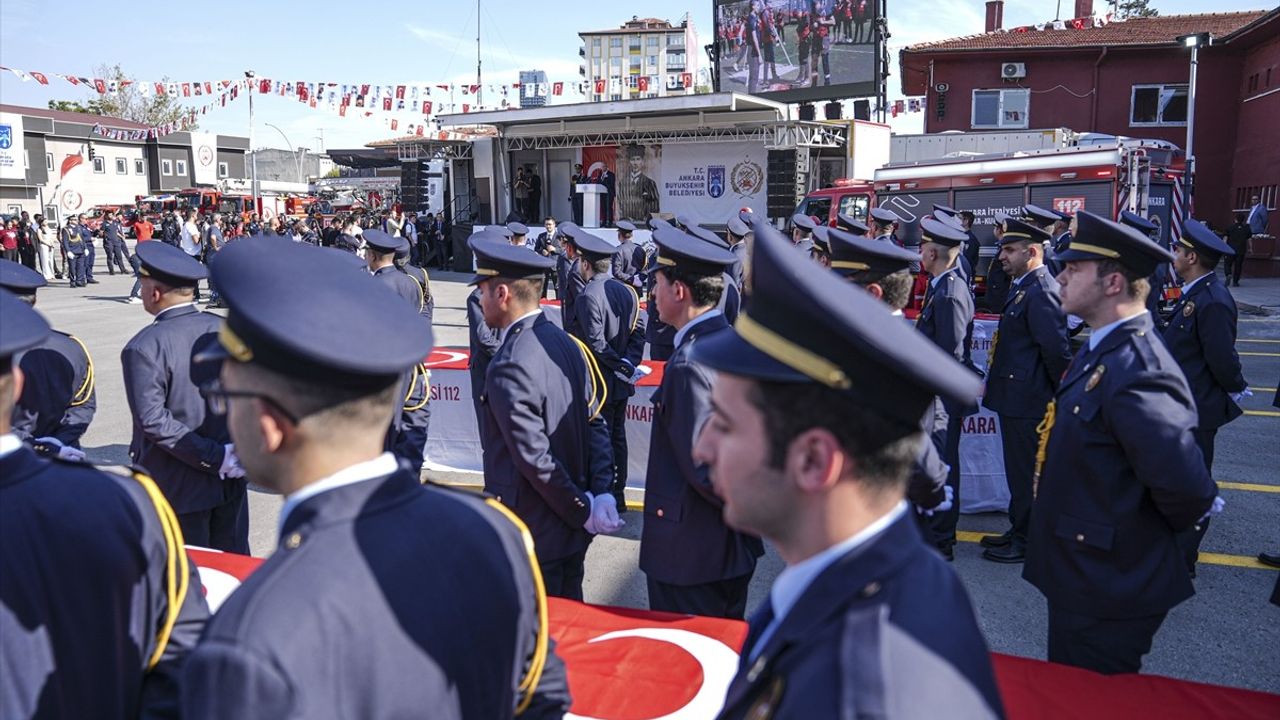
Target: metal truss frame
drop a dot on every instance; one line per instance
(433, 150)
(774, 136)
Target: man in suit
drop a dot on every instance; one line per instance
(575, 197)
(550, 244)
(58, 398)
(1028, 355)
(628, 257)
(1122, 473)
(99, 606)
(1257, 216)
(608, 313)
(637, 192)
(1201, 337)
(181, 444)
(309, 383)
(546, 447)
(814, 425)
(682, 510)
(947, 320)
(610, 182)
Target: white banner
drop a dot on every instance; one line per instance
(13, 165)
(204, 158)
(709, 183)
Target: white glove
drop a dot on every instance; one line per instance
(65, 452)
(946, 504)
(604, 515)
(231, 468)
(1237, 397)
(1214, 509)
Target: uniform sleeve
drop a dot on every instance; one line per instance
(689, 390)
(161, 687)
(486, 337)
(222, 680)
(144, 388)
(1217, 331)
(1048, 325)
(600, 456)
(928, 477)
(619, 262)
(530, 447)
(76, 419)
(551, 699)
(591, 318)
(635, 341)
(1154, 429)
(950, 326)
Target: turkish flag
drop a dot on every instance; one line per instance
(420, 131)
(208, 88)
(557, 88)
(40, 77)
(466, 108)
(394, 123)
(426, 107)
(686, 80)
(186, 89)
(599, 86)
(159, 88)
(643, 83)
(399, 92)
(386, 103)
(100, 85)
(364, 89)
(264, 86)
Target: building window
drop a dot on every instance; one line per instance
(122, 167)
(1158, 105)
(615, 97)
(615, 42)
(595, 44)
(180, 167)
(139, 167)
(166, 167)
(223, 170)
(100, 165)
(653, 60)
(1000, 108)
(48, 162)
(615, 63)
(675, 41)
(675, 61)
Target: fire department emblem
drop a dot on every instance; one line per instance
(6, 137)
(71, 201)
(747, 178)
(205, 155)
(1188, 309)
(1095, 378)
(715, 180)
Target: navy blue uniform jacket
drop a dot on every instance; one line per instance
(681, 511)
(864, 636)
(483, 343)
(59, 396)
(1121, 477)
(1031, 350)
(628, 262)
(385, 599)
(1201, 336)
(609, 321)
(544, 454)
(175, 437)
(82, 595)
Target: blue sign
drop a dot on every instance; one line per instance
(715, 180)
(6, 137)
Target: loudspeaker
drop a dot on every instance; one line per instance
(833, 110)
(807, 112)
(414, 185)
(861, 109)
(781, 183)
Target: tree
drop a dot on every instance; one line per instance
(1135, 9)
(128, 101)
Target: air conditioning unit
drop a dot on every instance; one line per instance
(1013, 70)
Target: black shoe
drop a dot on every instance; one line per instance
(997, 541)
(1269, 559)
(948, 552)
(92, 281)
(1008, 555)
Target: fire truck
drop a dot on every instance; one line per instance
(1114, 174)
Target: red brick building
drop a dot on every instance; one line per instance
(1122, 78)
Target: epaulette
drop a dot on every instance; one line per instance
(1142, 349)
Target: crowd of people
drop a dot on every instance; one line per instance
(798, 405)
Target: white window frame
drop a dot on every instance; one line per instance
(224, 170)
(615, 41)
(1000, 123)
(48, 161)
(675, 41)
(99, 165)
(179, 167)
(139, 166)
(166, 167)
(1133, 98)
(122, 166)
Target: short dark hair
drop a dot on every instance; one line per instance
(1138, 287)
(1240, 217)
(524, 290)
(602, 265)
(704, 290)
(895, 287)
(326, 403)
(883, 448)
(965, 214)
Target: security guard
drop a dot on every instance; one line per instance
(546, 447)
(1160, 276)
(1121, 473)
(175, 437)
(59, 396)
(482, 340)
(947, 320)
(682, 511)
(573, 280)
(332, 624)
(99, 605)
(815, 423)
(1201, 337)
(628, 257)
(612, 327)
(1028, 355)
(802, 233)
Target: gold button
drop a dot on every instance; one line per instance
(1080, 537)
(659, 513)
(293, 541)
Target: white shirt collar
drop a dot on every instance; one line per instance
(1187, 287)
(684, 331)
(171, 308)
(9, 444)
(1097, 335)
(502, 334)
(384, 464)
(795, 579)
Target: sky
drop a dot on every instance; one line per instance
(395, 42)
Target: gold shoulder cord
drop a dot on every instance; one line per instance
(422, 291)
(599, 393)
(635, 315)
(529, 682)
(86, 388)
(177, 570)
(418, 371)
(1042, 451)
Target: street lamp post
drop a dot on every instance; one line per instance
(297, 159)
(1188, 176)
(253, 158)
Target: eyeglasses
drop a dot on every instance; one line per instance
(217, 397)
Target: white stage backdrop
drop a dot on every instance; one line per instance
(709, 183)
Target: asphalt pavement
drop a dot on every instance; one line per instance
(1227, 634)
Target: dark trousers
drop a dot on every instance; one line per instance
(90, 259)
(1019, 439)
(76, 269)
(116, 253)
(721, 598)
(943, 524)
(225, 527)
(1233, 264)
(10, 255)
(563, 577)
(1109, 647)
(136, 264)
(410, 442)
(615, 418)
(1189, 540)
(606, 212)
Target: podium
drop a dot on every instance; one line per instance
(592, 195)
